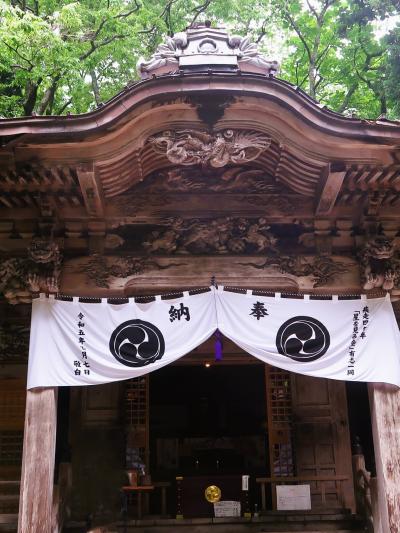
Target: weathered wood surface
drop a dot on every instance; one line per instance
(36, 496)
(321, 435)
(385, 418)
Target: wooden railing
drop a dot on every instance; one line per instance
(366, 493)
(61, 495)
(320, 482)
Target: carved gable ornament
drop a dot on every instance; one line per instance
(202, 48)
(216, 150)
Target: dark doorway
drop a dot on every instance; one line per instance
(360, 422)
(208, 423)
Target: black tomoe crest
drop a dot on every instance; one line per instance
(303, 338)
(137, 343)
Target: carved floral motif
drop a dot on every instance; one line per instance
(222, 235)
(322, 269)
(216, 150)
(235, 179)
(166, 54)
(101, 270)
(247, 52)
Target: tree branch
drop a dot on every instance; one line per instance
(322, 55)
(318, 82)
(64, 107)
(352, 89)
(199, 10)
(48, 98)
(297, 30)
(263, 31)
(15, 50)
(312, 9)
(95, 46)
(150, 30)
(130, 12)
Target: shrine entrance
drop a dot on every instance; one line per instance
(211, 422)
(208, 425)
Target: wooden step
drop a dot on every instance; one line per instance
(9, 487)
(8, 522)
(8, 518)
(9, 500)
(272, 523)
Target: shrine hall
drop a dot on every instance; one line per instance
(219, 197)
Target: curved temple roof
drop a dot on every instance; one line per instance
(202, 59)
(206, 83)
(209, 140)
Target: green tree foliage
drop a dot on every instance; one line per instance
(58, 56)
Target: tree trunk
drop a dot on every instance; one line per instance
(30, 98)
(95, 88)
(48, 97)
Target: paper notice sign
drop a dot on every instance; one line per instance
(293, 497)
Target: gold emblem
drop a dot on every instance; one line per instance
(212, 493)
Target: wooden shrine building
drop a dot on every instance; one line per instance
(208, 168)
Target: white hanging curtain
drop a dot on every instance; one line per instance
(75, 343)
(349, 340)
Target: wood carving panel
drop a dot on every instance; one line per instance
(163, 273)
(215, 150)
(38, 271)
(249, 179)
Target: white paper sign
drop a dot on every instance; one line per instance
(226, 508)
(293, 497)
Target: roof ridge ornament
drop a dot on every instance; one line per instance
(202, 48)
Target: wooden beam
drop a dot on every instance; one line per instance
(331, 183)
(91, 189)
(36, 493)
(385, 418)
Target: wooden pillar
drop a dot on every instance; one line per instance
(36, 493)
(385, 418)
